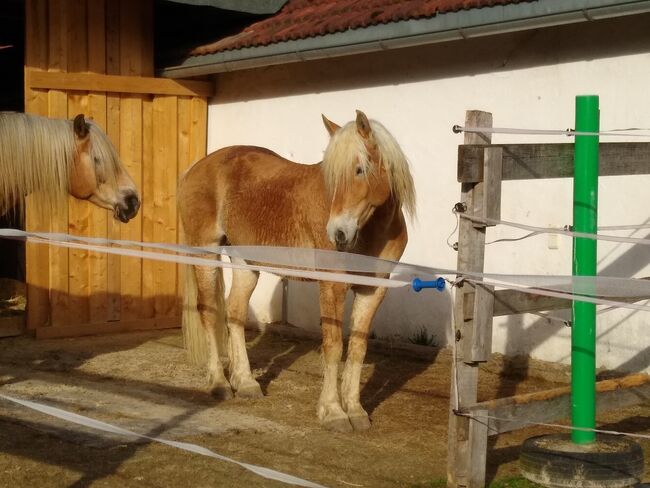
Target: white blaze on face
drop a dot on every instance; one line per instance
(342, 229)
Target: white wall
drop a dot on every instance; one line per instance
(527, 80)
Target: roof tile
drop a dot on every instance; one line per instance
(301, 19)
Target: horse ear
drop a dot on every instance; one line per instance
(81, 127)
(363, 125)
(330, 126)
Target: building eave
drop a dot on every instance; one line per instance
(445, 27)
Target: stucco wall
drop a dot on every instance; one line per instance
(526, 79)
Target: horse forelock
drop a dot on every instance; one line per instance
(102, 149)
(36, 153)
(347, 150)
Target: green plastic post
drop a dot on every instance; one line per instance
(585, 218)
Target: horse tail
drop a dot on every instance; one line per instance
(194, 334)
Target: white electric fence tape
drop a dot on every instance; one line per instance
(326, 265)
(550, 132)
(565, 232)
(106, 427)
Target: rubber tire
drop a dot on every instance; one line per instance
(621, 465)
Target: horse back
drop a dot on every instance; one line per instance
(248, 195)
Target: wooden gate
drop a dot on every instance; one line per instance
(96, 57)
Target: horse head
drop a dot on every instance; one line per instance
(97, 173)
(364, 169)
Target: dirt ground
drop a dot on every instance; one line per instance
(142, 382)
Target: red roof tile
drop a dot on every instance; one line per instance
(301, 19)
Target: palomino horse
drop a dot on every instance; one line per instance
(57, 157)
(352, 201)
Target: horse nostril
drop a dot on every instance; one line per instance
(133, 203)
(340, 237)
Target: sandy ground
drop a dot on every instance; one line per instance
(142, 382)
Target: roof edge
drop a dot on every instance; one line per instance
(259, 7)
(449, 26)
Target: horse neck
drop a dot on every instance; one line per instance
(386, 219)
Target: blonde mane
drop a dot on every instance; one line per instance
(347, 150)
(37, 154)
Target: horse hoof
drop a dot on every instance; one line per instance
(360, 422)
(338, 425)
(250, 390)
(221, 392)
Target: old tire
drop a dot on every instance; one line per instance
(554, 461)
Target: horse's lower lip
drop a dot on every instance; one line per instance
(119, 215)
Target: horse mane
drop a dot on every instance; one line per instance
(37, 154)
(347, 149)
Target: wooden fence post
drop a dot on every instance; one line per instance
(468, 437)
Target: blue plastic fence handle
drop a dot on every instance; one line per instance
(419, 285)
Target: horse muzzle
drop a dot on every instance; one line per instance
(127, 208)
(342, 234)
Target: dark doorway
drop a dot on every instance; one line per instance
(12, 60)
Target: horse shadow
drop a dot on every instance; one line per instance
(403, 315)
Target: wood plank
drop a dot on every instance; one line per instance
(131, 55)
(114, 276)
(148, 169)
(37, 258)
(492, 170)
(165, 142)
(12, 326)
(512, 302)
(519, 411)
(98, 266)
(97, 37)
(197, 150)
(119, 84)
(185, 129)
(58, 108)
(534, 161)
(131, 66)
(478, 439)
(78, 211)
(482, 316)
(486, 203)
(113, 38)
(97, 110)
(461, 457)
(131, 154)
(108, 328)
(199, 131)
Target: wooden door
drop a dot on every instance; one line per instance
(95, 57)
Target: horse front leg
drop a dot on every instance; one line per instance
(366, 303)
(241, 377)
(211, 312)
(330, 412)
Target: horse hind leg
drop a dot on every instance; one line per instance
(366, 303)
(330, 412)
(241, 378)
(211, 311)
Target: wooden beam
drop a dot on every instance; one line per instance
(513, 302)
(108, 327)
(519, 411)
(465, 460)
(533, 161)
(13, 325)
(117, 84)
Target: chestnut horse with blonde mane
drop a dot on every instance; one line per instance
(352, 201)
(54, 158)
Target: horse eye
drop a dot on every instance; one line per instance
(359, 171)
(96, 160)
